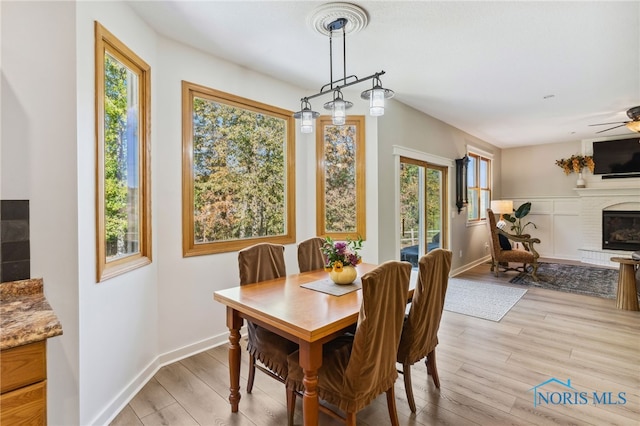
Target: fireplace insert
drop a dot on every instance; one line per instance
(621, 230)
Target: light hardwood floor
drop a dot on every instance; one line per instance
(487, 371)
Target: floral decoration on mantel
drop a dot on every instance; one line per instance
(576, 163)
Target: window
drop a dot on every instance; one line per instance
(478, 186)
(238, 172)
(123, 206)
(340, 197)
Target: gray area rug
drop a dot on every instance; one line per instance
(587, 280)
(486, 301)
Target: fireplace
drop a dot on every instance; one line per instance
(621, 230)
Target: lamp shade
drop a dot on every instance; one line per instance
(502, 206)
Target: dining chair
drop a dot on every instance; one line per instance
(357, 368)
(420, 329)
(263, 262)
(309, 255)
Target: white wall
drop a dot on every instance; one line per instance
(39, 162)
(118, 317)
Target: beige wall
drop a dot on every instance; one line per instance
(531, 171)
(406, 127)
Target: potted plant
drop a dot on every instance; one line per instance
(516, 221)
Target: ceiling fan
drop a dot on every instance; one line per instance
(633, 124)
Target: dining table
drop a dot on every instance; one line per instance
(306, 316)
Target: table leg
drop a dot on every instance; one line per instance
(627, 297)
(310, 361)
(234, 322)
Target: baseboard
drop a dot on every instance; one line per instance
(468, 266)
(120, 401)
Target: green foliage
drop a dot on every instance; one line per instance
(409, 197)
(516, 218)
(239, 172)
(115, 155)
(340, 178)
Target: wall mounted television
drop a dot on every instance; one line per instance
(617, 158)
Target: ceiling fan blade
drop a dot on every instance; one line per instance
(611, 128)
(603, 124)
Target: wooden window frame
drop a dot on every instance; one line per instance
(360, 231)
(478, 158)
(189, 247)
(107, 42)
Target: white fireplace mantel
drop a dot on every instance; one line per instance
(632, 192)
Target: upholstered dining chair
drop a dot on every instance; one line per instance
(309, 255)
(357, 368)
(263, 262)
(502, 253)
(420, 330)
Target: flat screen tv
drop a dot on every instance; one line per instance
(619, 157)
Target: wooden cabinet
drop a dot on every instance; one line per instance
(23, 385)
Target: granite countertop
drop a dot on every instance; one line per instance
(25, 315)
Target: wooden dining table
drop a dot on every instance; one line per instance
(307, 317)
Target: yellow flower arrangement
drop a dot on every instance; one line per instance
(576, 163)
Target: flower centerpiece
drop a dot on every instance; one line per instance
(575, 164)
(341, 257)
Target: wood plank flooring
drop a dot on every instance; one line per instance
(487, 371)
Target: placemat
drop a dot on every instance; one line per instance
(329, 287)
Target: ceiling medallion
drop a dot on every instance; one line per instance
(325, 14)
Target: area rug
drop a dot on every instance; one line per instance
(587, 280)
(486, 301)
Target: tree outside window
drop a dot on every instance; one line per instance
(237, 172)
(122, 183)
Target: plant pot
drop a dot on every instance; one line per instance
(580, 183)
(346, 276)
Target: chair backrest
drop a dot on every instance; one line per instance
(309, 255)
(372, 364)
(261, 262)
(494, 241)
(420, 330)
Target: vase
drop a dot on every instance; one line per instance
(346, 276)
(580, 182)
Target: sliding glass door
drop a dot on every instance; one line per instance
(423, 189)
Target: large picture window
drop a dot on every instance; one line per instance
(340, 178)
(123, 206)
(238, 173)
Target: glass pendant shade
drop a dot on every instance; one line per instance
(339, 113)
(307, 117)
(376, 103)
(306, 124)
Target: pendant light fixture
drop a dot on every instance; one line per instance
(307, 117)
(352, 18)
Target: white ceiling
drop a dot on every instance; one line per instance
(511, 73)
